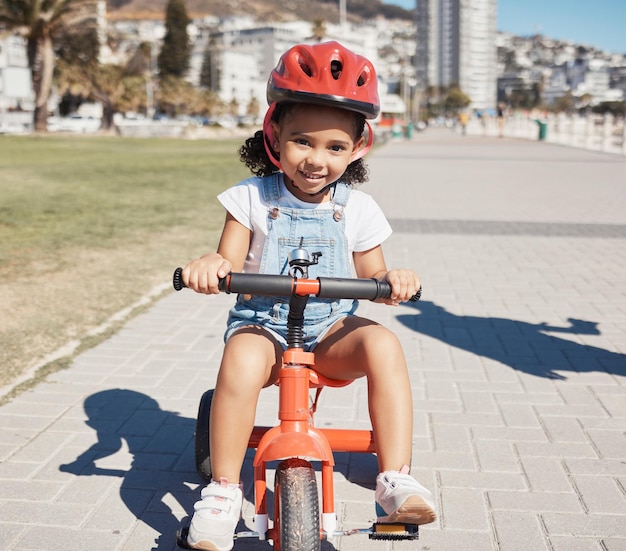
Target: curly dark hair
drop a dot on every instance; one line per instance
(252, 153)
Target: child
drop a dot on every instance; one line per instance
(306, 161)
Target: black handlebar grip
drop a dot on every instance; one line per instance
(370, 289)
(179, 285)
(339, 288)
(417, 295)
(268, 285)
(222, 285)
(177, 279)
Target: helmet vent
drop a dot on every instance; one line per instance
(305, 67)
(336, 68)
(363, 78)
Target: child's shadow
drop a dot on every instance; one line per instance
(158, 465)
(153, 458)
(528, 347)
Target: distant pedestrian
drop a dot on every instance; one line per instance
(463, 120)
(501, 119)
(482, 117)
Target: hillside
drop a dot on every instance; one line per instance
(263, 10)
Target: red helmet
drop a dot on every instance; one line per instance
(326, 74)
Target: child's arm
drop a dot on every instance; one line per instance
(202, 275)
(404, 282)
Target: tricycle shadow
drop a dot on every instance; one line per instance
(160, 464)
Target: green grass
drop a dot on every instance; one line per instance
(100, 192)
(90, 224)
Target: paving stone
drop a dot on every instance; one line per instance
(546, 474)
(519, 531)
(534, 501)
(601, 495)
(563, 429)
(464, 509)
(585, 525)
(494, 455)
(575, 544)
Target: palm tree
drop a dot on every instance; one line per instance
(42, 22)
(318, 29)
(118, 88)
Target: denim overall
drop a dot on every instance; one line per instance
(321, 230)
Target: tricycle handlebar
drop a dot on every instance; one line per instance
(284, 286)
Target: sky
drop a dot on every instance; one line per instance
(601, 23)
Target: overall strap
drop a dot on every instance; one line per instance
(340, 199)
(342, 194)
(271, 188)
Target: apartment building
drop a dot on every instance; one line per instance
(456, 45)
(245, 56)
(16, 91)
(15, 83)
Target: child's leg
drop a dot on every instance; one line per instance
(357, 347)
(249, 363)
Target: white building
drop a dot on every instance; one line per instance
(16, 91)
(241, 61)
(555, 85)
(596, 83)
(456, 45)
(244, 57)
(15, 82)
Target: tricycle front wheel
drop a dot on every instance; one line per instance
(296, 518)
(201, 438)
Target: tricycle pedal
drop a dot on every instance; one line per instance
(394, 531)
(181, 537)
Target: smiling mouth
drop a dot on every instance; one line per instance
(310, 176)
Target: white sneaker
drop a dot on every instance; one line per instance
(216, 516)
(401, 498)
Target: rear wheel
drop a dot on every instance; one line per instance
(296, 518)
(201, 439)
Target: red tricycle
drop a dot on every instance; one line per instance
(295, 441)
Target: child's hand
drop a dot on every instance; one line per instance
(404, 284)
(202, 275)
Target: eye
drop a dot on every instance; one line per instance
(337, 147)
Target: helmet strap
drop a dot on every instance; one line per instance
(268, 136)
(365, 149)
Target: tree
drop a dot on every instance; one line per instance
(174, 56)
(210, 73)
(616, 108)
(253, 108)
(318, 29)
(42, 23)
(174, 96)
(233, 107)
(118, 92)
(564, 104)
(118, 88)
(456, 100)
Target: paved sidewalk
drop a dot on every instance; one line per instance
(518, 366)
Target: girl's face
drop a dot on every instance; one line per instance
(316, 145)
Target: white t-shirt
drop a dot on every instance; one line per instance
(365, 222)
